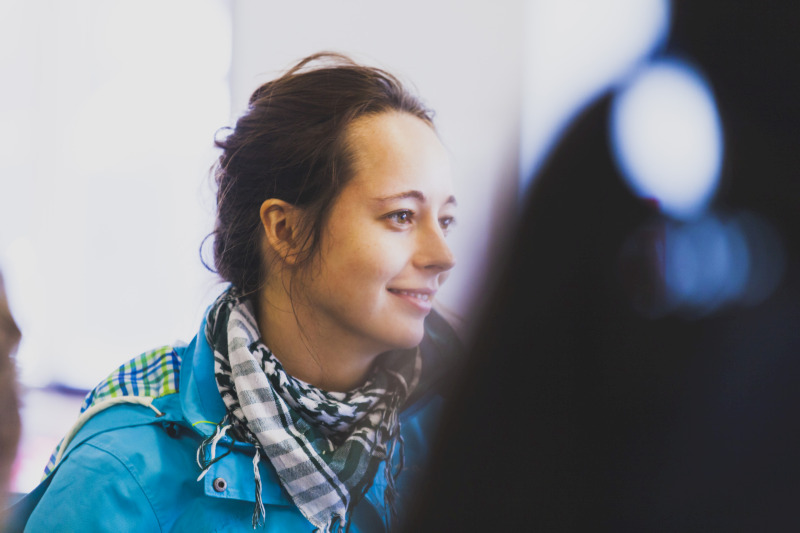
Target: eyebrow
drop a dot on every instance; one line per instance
(412, 194)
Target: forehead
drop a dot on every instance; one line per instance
(395, 151)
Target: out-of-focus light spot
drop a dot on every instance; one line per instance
(667, 137)
(695, 268)
(706, 264)
(574, 50)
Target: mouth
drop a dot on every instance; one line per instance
(419, 299)
(419, 295)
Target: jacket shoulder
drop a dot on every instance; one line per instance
(145, 378)
(94, 491)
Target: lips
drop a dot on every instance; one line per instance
(424, 296)
(419, 299)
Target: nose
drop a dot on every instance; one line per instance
(433, 253)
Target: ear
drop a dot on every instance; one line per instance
(279, 220)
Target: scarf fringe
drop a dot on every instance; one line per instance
(259, 513)
(205, 461)
(202, 461)
(338, 524)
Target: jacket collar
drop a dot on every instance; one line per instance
(201, 402)
(203, 408)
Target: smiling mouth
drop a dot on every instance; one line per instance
(418, 295)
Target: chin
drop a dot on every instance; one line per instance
(410, 338)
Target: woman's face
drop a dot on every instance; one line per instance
(383, 254)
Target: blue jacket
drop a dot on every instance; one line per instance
(129, 469)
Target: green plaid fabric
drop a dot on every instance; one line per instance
(152, 374)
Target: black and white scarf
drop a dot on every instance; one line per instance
(326, 447)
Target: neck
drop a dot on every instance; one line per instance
(307, 349)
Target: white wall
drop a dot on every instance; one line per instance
(107, 112)
(111, 110)
(465, 60)
(109, 107)
(107, 130)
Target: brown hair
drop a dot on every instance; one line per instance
(291, 144)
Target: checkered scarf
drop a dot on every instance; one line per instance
(326, 447)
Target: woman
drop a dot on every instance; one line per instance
(315, 377)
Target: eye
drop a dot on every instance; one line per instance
(447, 222)
(401, 217)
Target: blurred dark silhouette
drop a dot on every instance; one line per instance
(9, 400)
(575, 412)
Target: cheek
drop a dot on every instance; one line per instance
(346, 275)
(361, 256)
(373, 262)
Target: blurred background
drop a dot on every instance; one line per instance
(109, 110)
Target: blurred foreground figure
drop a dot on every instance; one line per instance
(9, 403)
(578, 411)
